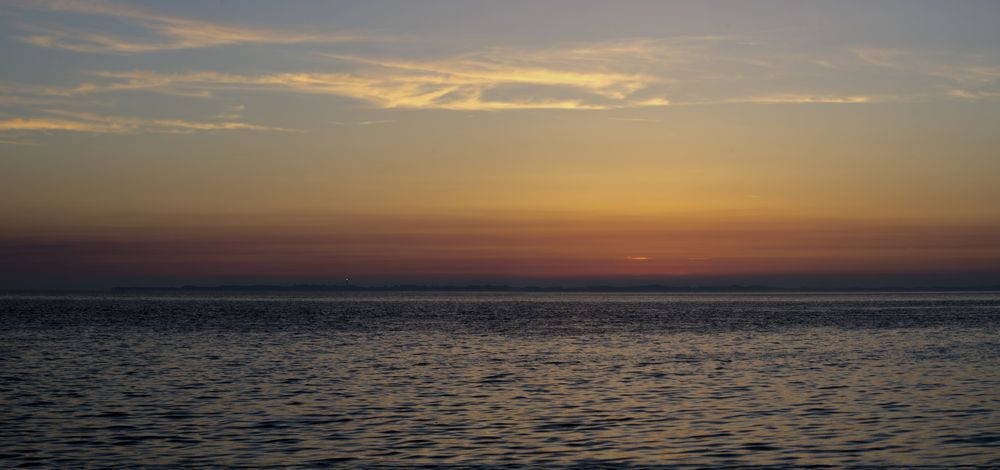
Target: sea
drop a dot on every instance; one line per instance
(366, 379)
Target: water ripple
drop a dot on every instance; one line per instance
(501, 380)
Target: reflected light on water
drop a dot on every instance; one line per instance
(466, 379)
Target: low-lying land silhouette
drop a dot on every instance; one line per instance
(593, 288)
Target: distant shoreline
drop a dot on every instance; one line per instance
(651, 288)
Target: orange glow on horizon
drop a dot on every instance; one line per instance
(513, 248)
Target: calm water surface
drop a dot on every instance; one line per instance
(500, 379)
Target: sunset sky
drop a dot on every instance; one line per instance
(520, 142)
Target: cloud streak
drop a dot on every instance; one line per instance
(959, 68)
(792, 98)
(596, 77)
(47, 124)
(167, 32)
(621, 74)
(57, 120)
(426, 90)
(964, 76)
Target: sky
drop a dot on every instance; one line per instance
(788, 143)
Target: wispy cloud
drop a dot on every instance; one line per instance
(620, 74)
(234, 112)
(965, 76)
(20, 95)
(489, 72)
(383, 90)
(792, 98)
(628, 73)
(595, 77)
(974, 95)
(166, 125)
(630, 119)
(961, 68)
(68, 125)
(59, 120)
(18, 142)
(167, 32)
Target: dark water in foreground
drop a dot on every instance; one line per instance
(532, 379)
